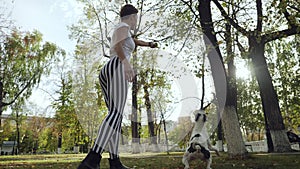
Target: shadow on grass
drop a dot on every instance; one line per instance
(153, 161)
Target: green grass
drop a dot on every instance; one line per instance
(153, 161)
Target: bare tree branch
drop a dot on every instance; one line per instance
(281, 34)
(229, 19)
(105, 23)
(295, 8)
(189, 4)
(259, 15)
(21, 91)
(100, 27)
(186, 39)
(240, 46)
(140, 18)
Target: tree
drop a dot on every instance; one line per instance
(236, 147)
(24, 59)
(89, 104)
(152, 134)
(37, 123)
(154, 83)
(67, 124)
(257, 39)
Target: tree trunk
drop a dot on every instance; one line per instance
(269, 97)
(158, 132)
(59, 142)
(18, 132)
(166, 134)
(1, 101)
(220, 133)
(153, 137)
(268, 136)
(134, 116)
(214, 54)
(236, 147)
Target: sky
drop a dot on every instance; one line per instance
(51, 18)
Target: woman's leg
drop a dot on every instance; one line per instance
(114, 87)
(113, 144)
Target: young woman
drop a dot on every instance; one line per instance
(114, 78)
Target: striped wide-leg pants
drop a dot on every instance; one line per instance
(114, 87)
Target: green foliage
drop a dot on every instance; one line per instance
(66, 121)
(24, 58)
(8, 133)
(27, 143)
(180, 33)
(48, 139)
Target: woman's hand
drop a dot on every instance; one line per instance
(153, 45)
(128, 71)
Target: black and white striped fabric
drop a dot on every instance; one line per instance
(115, 88)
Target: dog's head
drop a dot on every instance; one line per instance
(200, 115)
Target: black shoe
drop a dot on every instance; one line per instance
(91, 161)
(116, 164)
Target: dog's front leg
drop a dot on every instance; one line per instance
(210, 147)
(185, 160)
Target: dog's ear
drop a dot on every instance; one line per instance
(196, 113)
(197, 116)
(204, 118)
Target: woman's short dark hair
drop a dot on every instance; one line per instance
(128, 10)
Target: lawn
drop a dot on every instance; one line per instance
(153, 161)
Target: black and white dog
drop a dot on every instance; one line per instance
(199, 144)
